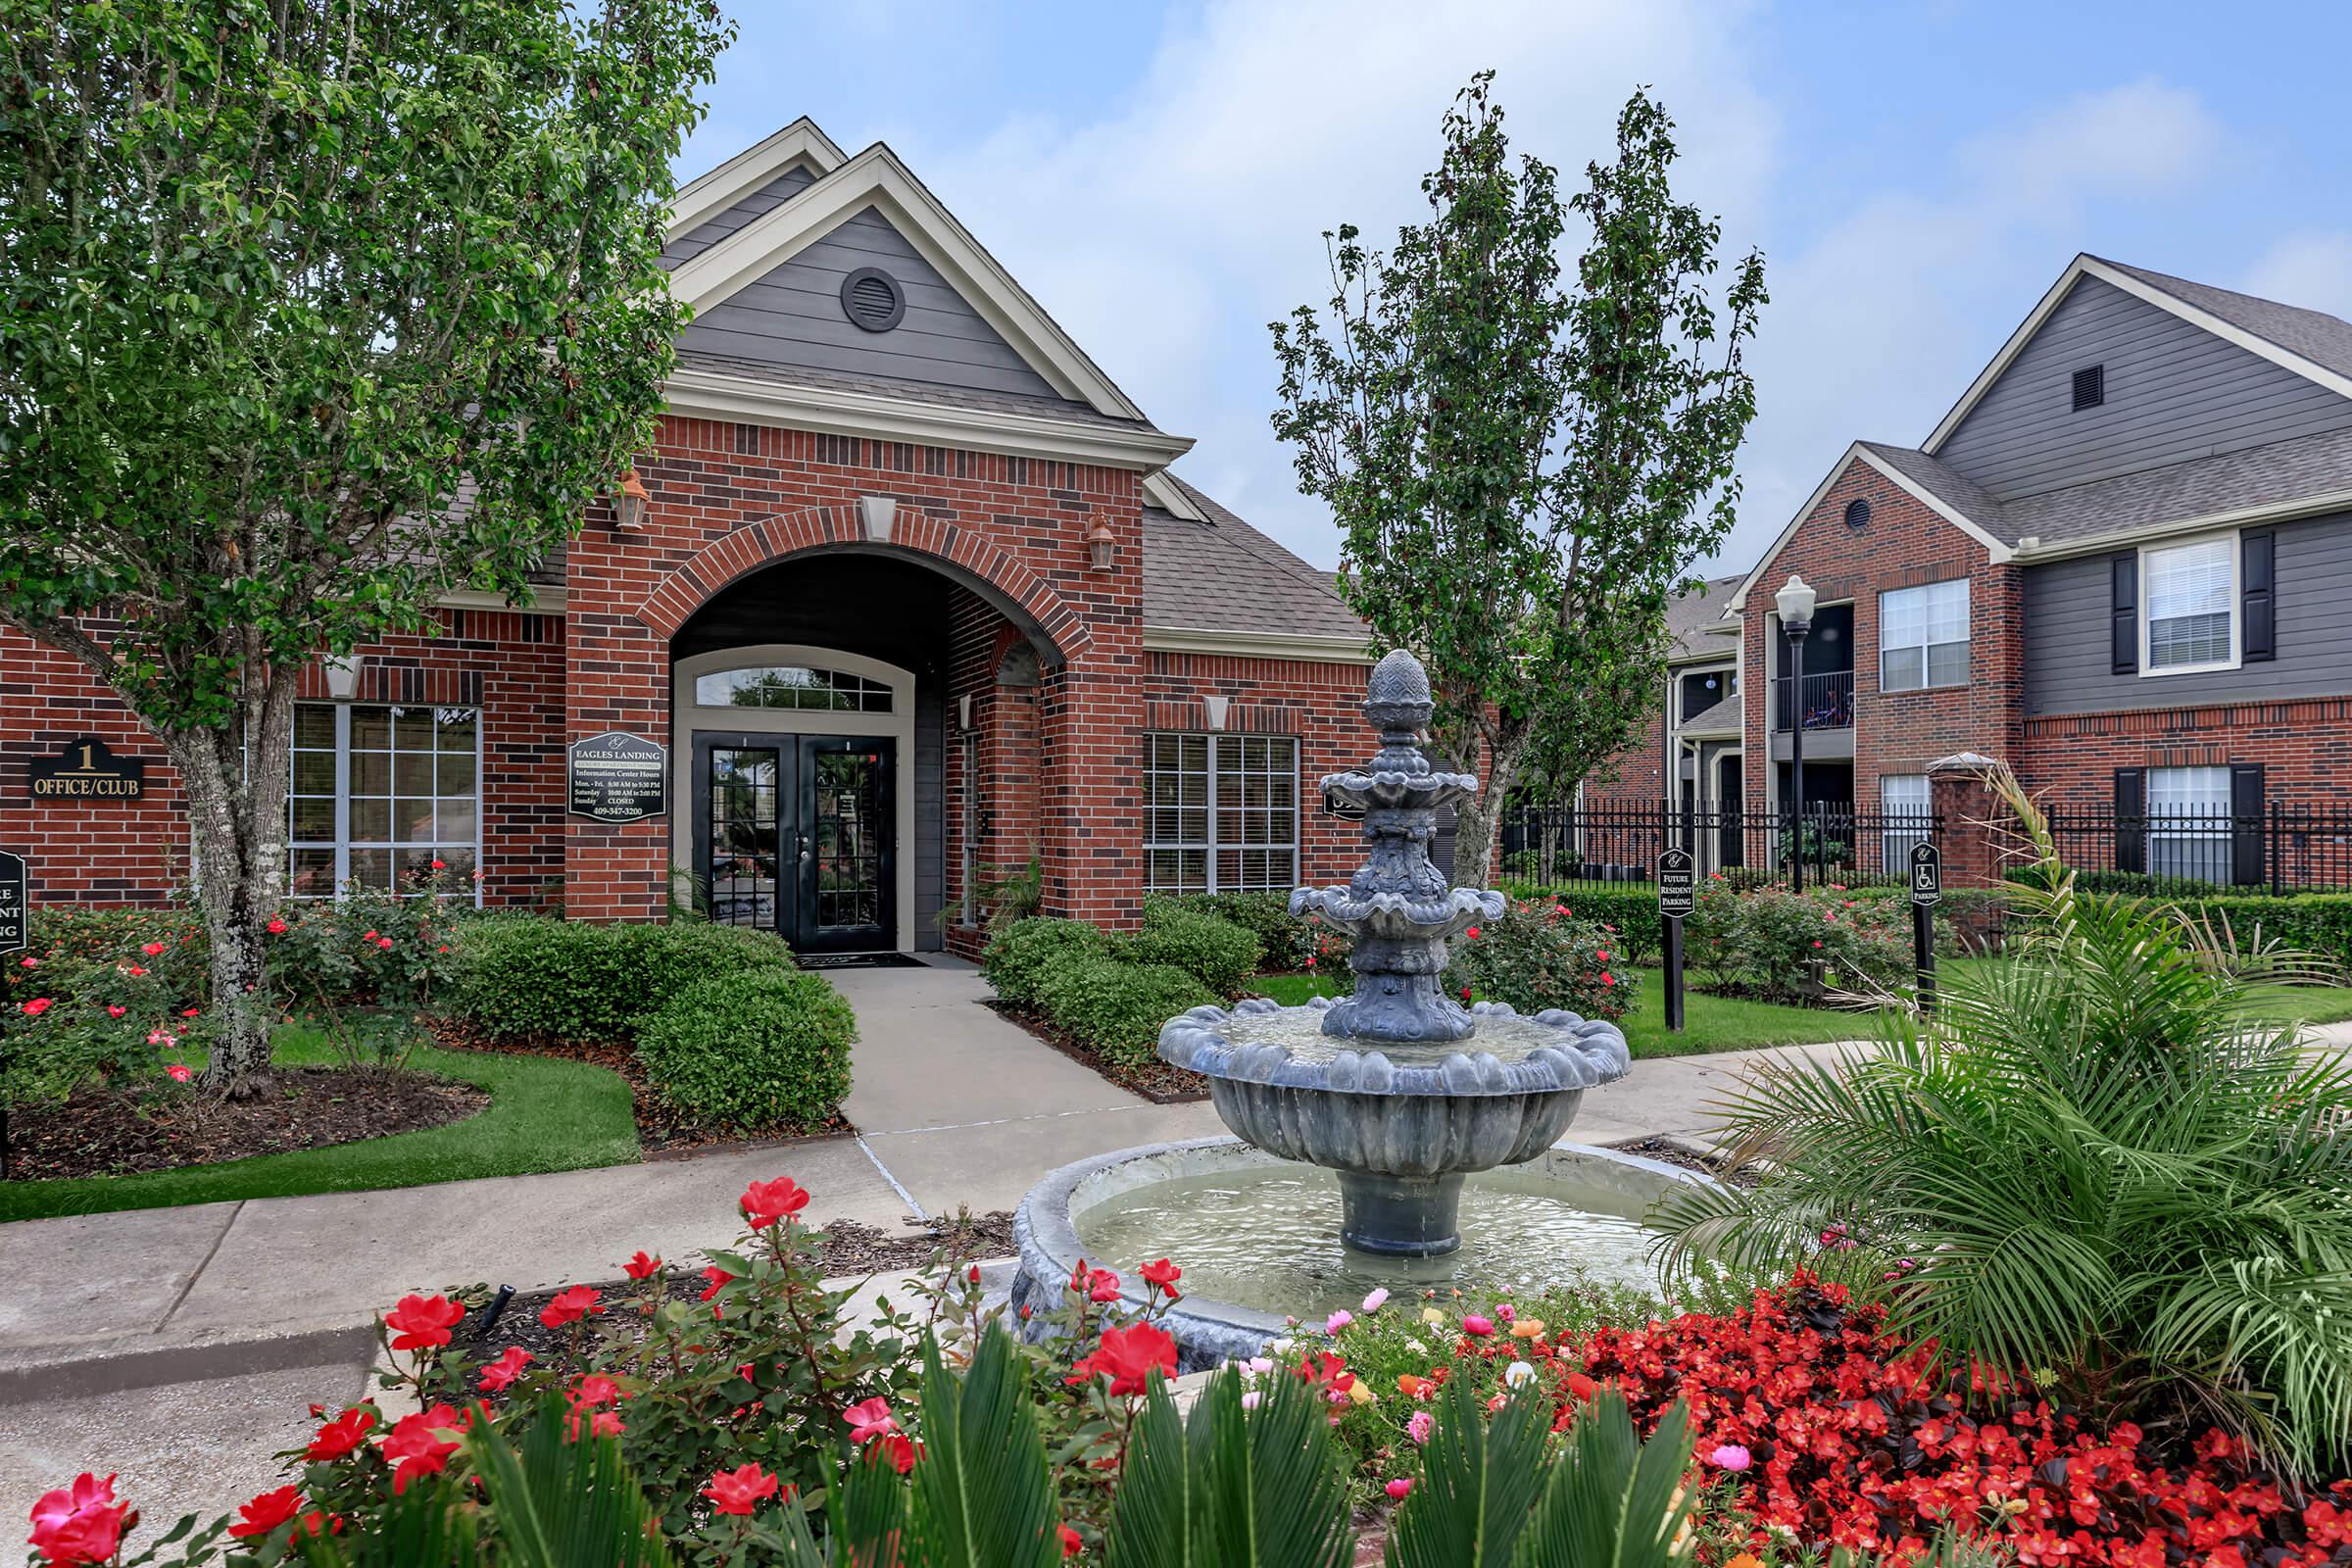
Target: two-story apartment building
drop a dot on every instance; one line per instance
(2122, 563)
(902, 596)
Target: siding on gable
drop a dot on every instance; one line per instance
(2068, 666)
(793, 317)
(766, 199)
(2174, 392)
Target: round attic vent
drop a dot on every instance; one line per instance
(1857, 513)
(874, 298)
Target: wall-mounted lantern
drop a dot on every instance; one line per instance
(631, 505)
(1102, 545)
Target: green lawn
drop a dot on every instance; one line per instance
(544, 1114)
(1724, 1023)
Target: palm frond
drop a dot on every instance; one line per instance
(1615, 1501)
(1477, 1483)
(983, 1494)
(1272, 1494)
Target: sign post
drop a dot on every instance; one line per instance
(1927, 889)
(15, 921)
(1677, 895)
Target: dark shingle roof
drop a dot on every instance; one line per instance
(1691, 617)
(2316, 336)
(2307, 468)
(1224, 576)
(1945, 483)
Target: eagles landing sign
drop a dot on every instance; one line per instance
(85, 770)
(618, 777)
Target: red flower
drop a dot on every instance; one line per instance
(415, 1448)
(869, 1419)
(1328, 1372)
(594, 1389)
(901, 1452)
(1607, 979)
(152, 948)
(1162, 1273)
(385, 942)
(741, 1489)
(178, 1073)
(1472, 933)
(1071, 1543)
(507, 1368)
(37, 1006)
(267, 1512)
(80, 1524)
(642, 1266)
(422, 1322)
(367, 936)
(765, 1204)
(1128, 1356)
(719, 1279)
(1102, 1286)
(276, 928)
(570, 1306)
(344, 1432)
(116, 1009)
(440, 865)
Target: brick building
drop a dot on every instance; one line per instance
(2120, 563)
(910, 598)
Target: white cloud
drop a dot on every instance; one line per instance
(2312, 269)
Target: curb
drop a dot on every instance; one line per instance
(38, 1373)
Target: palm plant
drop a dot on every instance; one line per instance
(2088, 1166)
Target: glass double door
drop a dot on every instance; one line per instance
(797, 834)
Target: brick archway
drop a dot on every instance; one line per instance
(1020, 593)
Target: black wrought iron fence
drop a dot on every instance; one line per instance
(1558, 845)
(2283, 848)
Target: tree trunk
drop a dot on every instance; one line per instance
(238, 823)
(1478, 820)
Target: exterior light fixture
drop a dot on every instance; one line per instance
(1101, 546)
(1795, 602)
(631, 505)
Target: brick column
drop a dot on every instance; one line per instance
(1960, 790)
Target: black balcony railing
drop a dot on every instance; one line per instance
(1828, 700)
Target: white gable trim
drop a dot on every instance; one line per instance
(1998, 549)
(706, 196)
(1162, 491)
(876, 178)
(2086, 265)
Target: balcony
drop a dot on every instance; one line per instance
(1826, 701)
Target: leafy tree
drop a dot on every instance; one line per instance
(1526, 466)
(310, 313)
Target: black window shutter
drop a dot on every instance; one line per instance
(2258, 596)
(2130, 820)
(2123, 613)
(2245, 824)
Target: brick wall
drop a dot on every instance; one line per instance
(2305, 748)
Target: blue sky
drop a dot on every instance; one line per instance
(1160, 177)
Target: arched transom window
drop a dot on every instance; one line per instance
(797, 686)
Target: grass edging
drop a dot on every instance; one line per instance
(544, 1114)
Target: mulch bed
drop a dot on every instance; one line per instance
(660, 1132)
(108, 1133)
(1666, 1154)
(1155, 1080)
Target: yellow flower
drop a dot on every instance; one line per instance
(1430, 1315)
(1526, 1328)
(1361, 1392)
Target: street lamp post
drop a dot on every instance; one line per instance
(1796, 604)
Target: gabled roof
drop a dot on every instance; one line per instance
(1933, 484)
(800, 143)
(876, 178)
(2309, 343)
(1220, 576)
(1695, 618)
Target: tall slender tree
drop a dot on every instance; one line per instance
(311, 312)
(1527, 459)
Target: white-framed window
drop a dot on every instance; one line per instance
(2188, 823)
(1906, 815)
(797, 686)
(1923, 636)
(379, 793)
(1220, 812)
(2189, 595)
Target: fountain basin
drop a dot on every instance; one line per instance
(1400, 1121)
(1258, 1233)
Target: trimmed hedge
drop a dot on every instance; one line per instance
(1115, 1006)
(752, 1051)
(1213, 951)
(583, 983)
(1286, 939)
(1015, 958)
(1628, 911)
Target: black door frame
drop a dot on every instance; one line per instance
(796, 796)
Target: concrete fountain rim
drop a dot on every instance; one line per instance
(1210, 1331)
(1590, 1052)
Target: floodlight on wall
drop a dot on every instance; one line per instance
(342, 675)
(1101, 546)
(1795, 602)
(631, 505)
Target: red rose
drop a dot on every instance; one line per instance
(1129, 1356)
(765, 1204)
(80, 1524)
(276, 928)
(367, 936)
(595, 1388)
(1102, 1286)
(642, 1266)
(718, 1278)
(414, 1445)
(507, 1368)
(570, 1306)
(902, 1450)
(422, 1322)
(385, 942)
(741, 1489)
(440, 865)
(1071, 1544)
(152, 948)
(1472, 933)
(343, 1434)
(37, 1006)
(869, 1419)
(267, 1512)
(116, 1009)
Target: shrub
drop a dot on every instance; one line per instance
(1115, 1006)
(1213, 951)
(752, 1051)
(1628, 913)
(77, 955)
(1785, 947)
(1535, 958)
(1015, 958)
(585, 983)
(1286, 939)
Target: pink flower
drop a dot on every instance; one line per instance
(1337, 1321)
(1420, 1425)
(1377, 1300)
(1506, 1311)
(80, 1524)
(1477, 1325)
(869, 1419)
(177, 1073)
(1399, 1487)
(1731, 1456)
(114, 1009)
(1249, 1400)
(29, 961)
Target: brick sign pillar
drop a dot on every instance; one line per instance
(1975, 820)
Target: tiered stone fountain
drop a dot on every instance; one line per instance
(1398, 1091)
